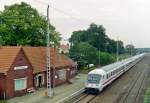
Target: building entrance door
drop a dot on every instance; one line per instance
(40, 81)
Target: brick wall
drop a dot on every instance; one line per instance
(2, 86)
(12, 74)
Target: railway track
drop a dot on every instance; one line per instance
(85, 98)
(132, 94)
(126, 89)
(130, 86)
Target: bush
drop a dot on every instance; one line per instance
(106, 58)
(84, 54)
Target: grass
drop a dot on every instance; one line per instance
(147, 94)
(3, 101)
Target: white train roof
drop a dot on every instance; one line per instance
(97, 71)
(115, 65)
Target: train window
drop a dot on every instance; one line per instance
(94, 78)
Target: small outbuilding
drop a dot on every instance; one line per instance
(23, 69)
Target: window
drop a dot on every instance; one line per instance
(94, 78)
(61, 74)
(20, 84)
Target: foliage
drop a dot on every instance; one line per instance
(86, 54)
(147, 93)
(20, 24)
(3, 101)
(130, 49)
(106, 58)
(83, 53)
(86, 70)
(96, 36)
(1, 41)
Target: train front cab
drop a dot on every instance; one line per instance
(93, 83)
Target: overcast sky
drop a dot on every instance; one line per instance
(127, 19)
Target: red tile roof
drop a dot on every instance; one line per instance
(35, 55)
(7, 56)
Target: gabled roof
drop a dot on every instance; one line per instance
(36, 57)
(7, 57)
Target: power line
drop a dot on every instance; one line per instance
(62, 12)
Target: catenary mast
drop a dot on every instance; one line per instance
(49, 89)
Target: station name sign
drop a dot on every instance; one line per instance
(20, 67)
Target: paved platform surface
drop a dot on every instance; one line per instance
(60, 92)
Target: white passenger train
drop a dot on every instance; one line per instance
(99, 78)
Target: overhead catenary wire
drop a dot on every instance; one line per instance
(64, 13)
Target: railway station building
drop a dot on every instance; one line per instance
(23, 69)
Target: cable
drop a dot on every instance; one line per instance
(62, 12)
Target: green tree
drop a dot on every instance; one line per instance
(20, 24)
(106, 58)
(111, 46)
(96, 36)
(130, 49)
(83, 53)
(121, 47)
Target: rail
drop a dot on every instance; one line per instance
(71, 96)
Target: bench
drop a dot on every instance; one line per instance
(30, 90)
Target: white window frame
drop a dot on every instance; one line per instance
(25, 84)
(20, 67)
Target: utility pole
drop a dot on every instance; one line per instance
(99, 53)
(49, 89)
(117, 52)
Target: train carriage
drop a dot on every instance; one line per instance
(101, 77)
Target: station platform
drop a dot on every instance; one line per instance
(60, 92)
